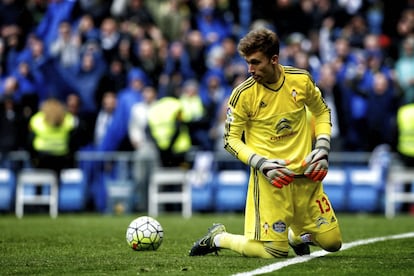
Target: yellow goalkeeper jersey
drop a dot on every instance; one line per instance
(272, 120)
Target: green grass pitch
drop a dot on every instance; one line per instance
(94, 244)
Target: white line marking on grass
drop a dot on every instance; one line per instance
(320, 253)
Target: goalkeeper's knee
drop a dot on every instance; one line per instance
(330, 241)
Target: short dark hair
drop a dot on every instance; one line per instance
(259, 40)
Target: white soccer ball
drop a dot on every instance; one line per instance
(144, 233)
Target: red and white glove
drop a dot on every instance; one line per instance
(316, 163)
(274, 170)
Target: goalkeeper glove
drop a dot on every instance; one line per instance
(316, 163)
(274, 170)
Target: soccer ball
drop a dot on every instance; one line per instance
(144, 233)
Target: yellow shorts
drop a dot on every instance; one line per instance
(302, 205)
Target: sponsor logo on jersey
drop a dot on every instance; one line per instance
(282, 126)
(294, 94)
(283, 130)
(266, 227)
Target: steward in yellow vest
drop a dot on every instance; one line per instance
(168, 131)
(405, 122)
(405, 143)
(50, 133)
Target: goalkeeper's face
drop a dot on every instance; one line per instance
(262, 68)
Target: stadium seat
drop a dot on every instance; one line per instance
(366, 186)
(72, 190)
(336, 186)
(202, 191)
(200, 177)
(169, 186)
(32, 178)
(231, 189)
(7, 189)
(395, 195)
(119, 195)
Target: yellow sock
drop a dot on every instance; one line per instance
(251, 248)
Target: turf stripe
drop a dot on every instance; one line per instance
(320, 253)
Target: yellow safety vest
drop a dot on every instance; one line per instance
(193, 108)
(49, 139)
(162, 117)
(405, 121)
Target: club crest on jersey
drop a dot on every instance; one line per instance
(279, 226)
(294, 94)
(266, 227)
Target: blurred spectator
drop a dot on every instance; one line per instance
(85, 81)
(14, 13)
(169, 132)
(66, 47)
(12, 128)
(345, 64)
(292, 46)
(195, 47)
(146, 153)
(113, 79)
(9, 87)
(233, 63)
(40, 67)
(50, 134)
(86, 28)
(210, 23)
(404, 69)
(332, 94)
(149, 61)
(355, 31)
(116, 138)
(172, 17)
(178, 61)
(138, 122)
(375, 17)
(381, 110)
(28, 96)
(283, 15)
(125, 52)
(37, 8)
(97, 9)
(57, 12)
(137, 12)
(194, 115)
(109, 37)
(27, 85)
(82, 134)
(326, 40)
(176, 71)
(13, 46)
(105, 116)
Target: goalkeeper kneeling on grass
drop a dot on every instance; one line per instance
(285, 205)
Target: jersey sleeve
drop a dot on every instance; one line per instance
(236, 119)
(319, 109)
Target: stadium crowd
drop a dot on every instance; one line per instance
(98, 57)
